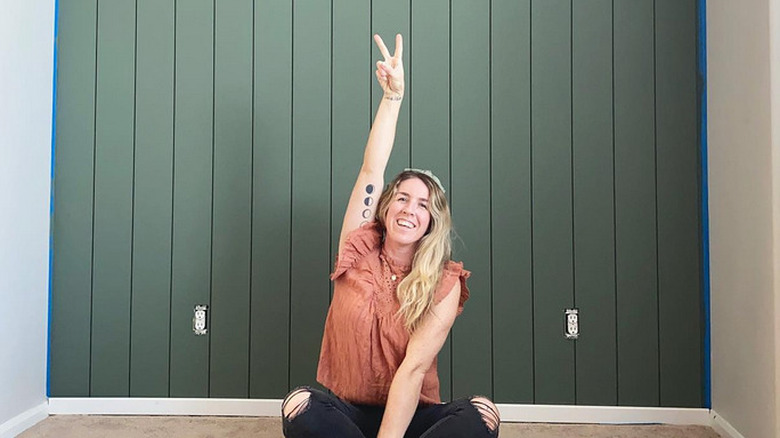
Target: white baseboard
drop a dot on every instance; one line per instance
(723, 427)
(24, 421)
(165, 406)
(272, 408)
(602, 414)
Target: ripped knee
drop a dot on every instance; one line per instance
(296, 403)
(488, 411)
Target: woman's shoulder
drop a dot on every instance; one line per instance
(359, 242)
(452, 267)
(453, 273)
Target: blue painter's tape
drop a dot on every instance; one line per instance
(51, 191)
(705, 227)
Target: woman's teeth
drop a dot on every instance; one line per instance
(405, 224)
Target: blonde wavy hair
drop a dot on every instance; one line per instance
(415, 292)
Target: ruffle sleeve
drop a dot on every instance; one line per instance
(453, 271)
(358, 244)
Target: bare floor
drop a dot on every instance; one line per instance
(82, 426)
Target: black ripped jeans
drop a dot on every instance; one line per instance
(327, 416)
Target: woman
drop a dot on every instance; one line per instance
(396, 296)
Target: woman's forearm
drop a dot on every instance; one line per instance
(402, 402)
(382, 136)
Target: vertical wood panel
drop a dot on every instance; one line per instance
(270, 316)
(552, 198)
(471, 336)
(635, 215)
(192, 198)
(229, 356)
(680, 308)
(389, 17)
(114, 161)
(150, 322)
(513, 368)
(594, 255)
(429, 96)
(310, 186)
(353, 71)
(69, 331)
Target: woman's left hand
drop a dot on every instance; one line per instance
(390, 72)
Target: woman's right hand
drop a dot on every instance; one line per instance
(390, 72)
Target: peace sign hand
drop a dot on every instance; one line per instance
(390, 72)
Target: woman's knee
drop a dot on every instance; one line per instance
(296, 402)
(488, 411)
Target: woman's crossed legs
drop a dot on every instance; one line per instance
(310, 413)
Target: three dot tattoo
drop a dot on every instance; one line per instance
(368, 201)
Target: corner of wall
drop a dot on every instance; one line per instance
(24, 421)
(723, 427)
(774, 55)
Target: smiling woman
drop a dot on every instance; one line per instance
(396, 295)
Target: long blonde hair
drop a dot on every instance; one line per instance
(415, 292)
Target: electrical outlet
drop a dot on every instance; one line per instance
(199, 320)
(571, 324)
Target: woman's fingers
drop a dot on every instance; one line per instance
(382, 47)
(399, 47)
(384, 67)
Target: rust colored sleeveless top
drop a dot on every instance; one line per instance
(364, 343)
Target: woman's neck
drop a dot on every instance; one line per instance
(401, 255)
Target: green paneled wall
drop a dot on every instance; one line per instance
(635, 204)
(151, 276)
(510, 212)
(192, 194)
(205, 151)
(594, 230)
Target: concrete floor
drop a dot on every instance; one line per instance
(94, 426)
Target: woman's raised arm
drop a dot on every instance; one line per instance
(368, 187)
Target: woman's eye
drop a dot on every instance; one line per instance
(425, 206)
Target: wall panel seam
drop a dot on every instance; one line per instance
(573, 192)
(213, 146)
(614, 216)
(173, 196)
(531, 189)
(251, 213)
(655, 192)
(292, 143)
(92, 226)
(330, 180)
(132, 206)
(490, 198)
(449, 122)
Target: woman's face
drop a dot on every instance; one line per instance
(408, 217)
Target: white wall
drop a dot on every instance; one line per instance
(26, 50)
(774, 47)
(741, 176)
